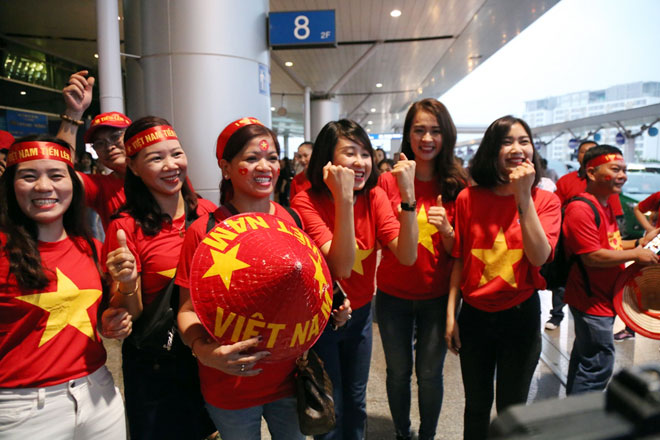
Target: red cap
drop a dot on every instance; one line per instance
(229, 131)
(110, 119)
(6, 139)
(256, 274)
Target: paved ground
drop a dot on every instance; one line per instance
(546, 384)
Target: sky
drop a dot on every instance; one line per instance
(577, 45)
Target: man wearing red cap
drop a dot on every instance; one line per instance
(6, 139)
(596, 243)
(103, 193)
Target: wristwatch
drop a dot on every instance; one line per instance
(409, 206)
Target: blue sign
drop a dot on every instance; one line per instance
(597, 137)
(22, 124)
(573, 143)
(620, 139)
(653, 131)
(264, 80)
(301, 29)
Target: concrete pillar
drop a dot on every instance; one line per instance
(307, 114)
(135, 100)
(205, 63)
(629, 150)
(107, 36)
(322, 112)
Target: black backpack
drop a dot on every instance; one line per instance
(556, 271)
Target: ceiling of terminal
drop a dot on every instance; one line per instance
(380, 65)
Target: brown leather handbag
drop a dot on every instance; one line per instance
(316, 407)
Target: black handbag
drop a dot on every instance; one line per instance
(316, 407)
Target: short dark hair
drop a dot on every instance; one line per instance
(235, 145)
(586, 142)
(140, 203)
(324, 150)
(599, 150)
(484, 169)
(22, 232)
(310, 144)
(452, 177)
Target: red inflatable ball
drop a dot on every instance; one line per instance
(256, 274)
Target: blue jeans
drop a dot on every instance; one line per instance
(346, 354)
(592, 357)
(503, 345)
(406, 326)
(245, 424)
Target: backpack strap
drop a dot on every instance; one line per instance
(225, 211)
(576, 258)
(295, 216)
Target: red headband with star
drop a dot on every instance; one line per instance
(602, 159)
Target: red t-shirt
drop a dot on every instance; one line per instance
(224, 390)
(104, 194)
(582, 237)
(429, 276)
(156, 256)
(571, 185)
(373, 218)
(651, 203)
(299, 183)
(49, 337)
(496, 272)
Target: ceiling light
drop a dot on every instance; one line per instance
(368, 130)
(373, 109)
(379, 85)
(370, 122)
(272, 109)
(288, 64)
(96, 55)
(395, 13)
(23, 92)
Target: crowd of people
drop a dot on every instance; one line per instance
(452, 256)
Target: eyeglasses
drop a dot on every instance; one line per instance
(105, 143)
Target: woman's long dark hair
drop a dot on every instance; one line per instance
(22, 232)
(140, 203)
(235, 145)
(450, 174)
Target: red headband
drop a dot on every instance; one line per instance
(148, 137)
(603, 158)
(35, 150)
(229, 131)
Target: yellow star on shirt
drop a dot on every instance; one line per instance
(499, 261)
(426, 230)
(318, 274)
(360, 256)
(66, 306)
(225, 265)
(169, 273)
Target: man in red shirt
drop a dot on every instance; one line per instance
(568, 187)
(103, 193)
(300, 181)
(603, 254)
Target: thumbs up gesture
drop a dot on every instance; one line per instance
(404, 171)
(437, 216)
(121, 263)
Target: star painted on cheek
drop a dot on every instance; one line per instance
(242, 171)
(225, 264)
(499, 261)
(426, 230)
(66, 306)
(263, 144)
(360, 256)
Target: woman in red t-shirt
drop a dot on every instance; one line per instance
(239, 389)
(53, 379)
(143, 241)
(506, 228)
(346, 213)
(411, 302)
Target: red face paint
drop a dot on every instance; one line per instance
(242, 171)
(608, 178)
(264, 144)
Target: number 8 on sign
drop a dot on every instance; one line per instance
(301, 31)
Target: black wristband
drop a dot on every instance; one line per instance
(409, 206)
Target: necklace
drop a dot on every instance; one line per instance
(180, 228)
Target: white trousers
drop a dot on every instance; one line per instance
(86, 408)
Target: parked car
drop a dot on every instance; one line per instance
(639, 186)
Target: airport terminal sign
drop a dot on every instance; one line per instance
(288, 30)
